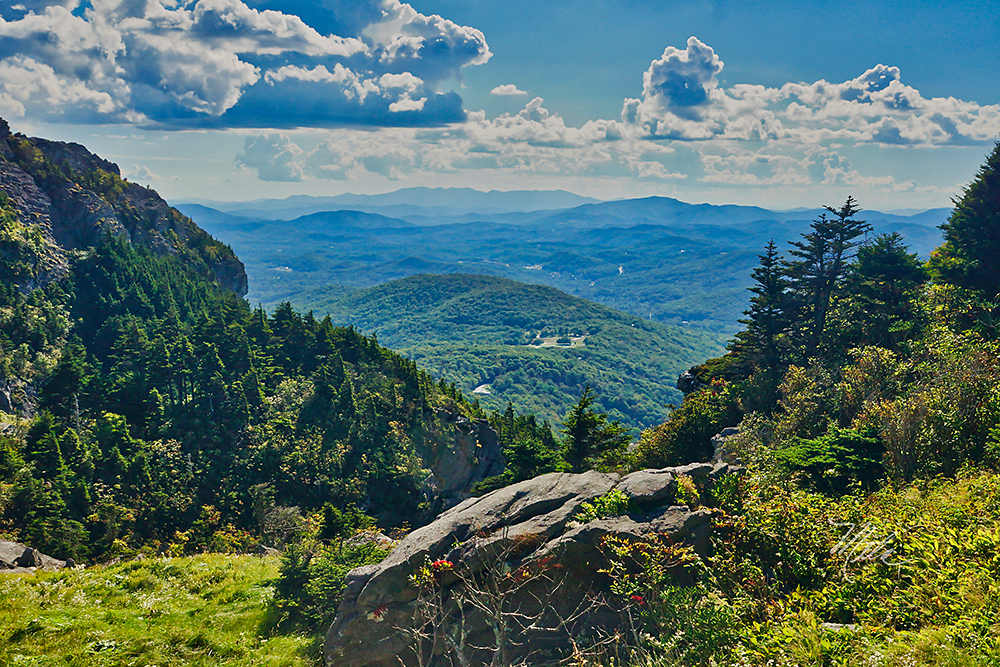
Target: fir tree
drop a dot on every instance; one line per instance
(818, 272)
(969, 256)
(767, 317)
(590, 438)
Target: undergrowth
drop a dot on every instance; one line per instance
(905, 577)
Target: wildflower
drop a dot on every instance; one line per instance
(442, 565)
(638, 599)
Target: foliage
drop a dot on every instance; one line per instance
(968, 257)
(908, 576)
(613, 503)
(686, 435)
(477, 331)
(591, 440)
(836, 461)
(530, 449)
(201, 610)
(167, 401)
(311, 580)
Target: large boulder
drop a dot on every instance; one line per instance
(517, 548)
(18, 558)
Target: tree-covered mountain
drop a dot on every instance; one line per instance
(145, 404)
(532, 345)
(656, 258)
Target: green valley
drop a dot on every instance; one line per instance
(534, 346)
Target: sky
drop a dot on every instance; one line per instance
(778, 104)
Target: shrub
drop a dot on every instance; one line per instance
(612, 503)
(686, 435)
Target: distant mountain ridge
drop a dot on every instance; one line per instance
(434, 206)
(419, 201)
(654, 257)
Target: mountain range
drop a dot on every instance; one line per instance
(656, 257)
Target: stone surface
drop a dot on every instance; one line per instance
(721, 451)
(647, 487)
(473, 455)
(21, 558)
(71, 216)
(507, 531)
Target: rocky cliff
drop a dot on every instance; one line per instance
(57, 198)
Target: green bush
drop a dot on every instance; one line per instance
(311, 581)
(612, 503)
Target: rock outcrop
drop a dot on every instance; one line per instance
(15, 558)
(472, 455)
(74, 198)
(503, 534)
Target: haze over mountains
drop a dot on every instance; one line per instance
(423, 204)
(655, 257)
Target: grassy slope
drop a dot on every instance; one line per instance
(201, 610)
(475, 329)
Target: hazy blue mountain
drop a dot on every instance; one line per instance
(428, 203)
(655, 257)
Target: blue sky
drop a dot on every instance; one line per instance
(779, 104)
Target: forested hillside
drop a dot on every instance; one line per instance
(530, 345)
(145, 404)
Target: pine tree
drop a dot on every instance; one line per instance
(767, 317)
(590, 438)
(883, 280)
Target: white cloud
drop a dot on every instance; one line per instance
(681, 99)
(192, 63)
(508, 89)
(273, 156)
(141, 173)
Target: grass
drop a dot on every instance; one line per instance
(201, 610)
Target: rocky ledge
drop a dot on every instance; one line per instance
(15, 558)
(513, 562)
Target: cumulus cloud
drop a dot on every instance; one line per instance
(508, 89)
(218, 63)
(141, 173)
(531, 141)
(681, 99)
(273, 156)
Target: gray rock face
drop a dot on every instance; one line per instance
(74, 215)
(502, 534)
(15, 558)
(719, 445)
(471, 457)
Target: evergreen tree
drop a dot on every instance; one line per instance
(591, 440)
(818, 272)
(768, 316)
(970, 255)
(883, 281)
